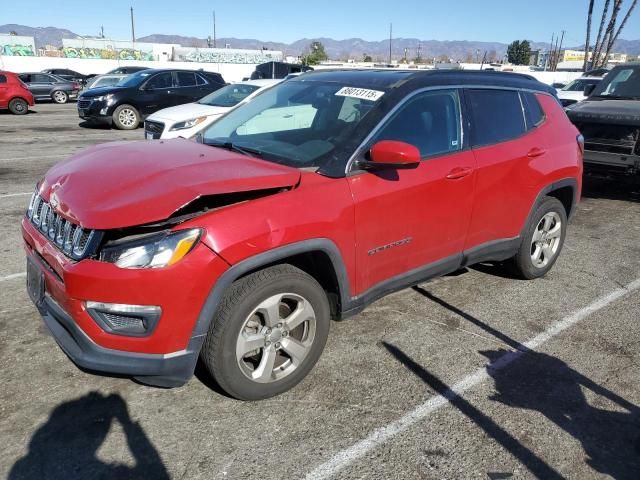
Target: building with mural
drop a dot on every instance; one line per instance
(107, 49)
(17, 46)
(225, 55)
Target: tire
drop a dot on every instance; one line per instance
(543, 240)
(242, 321)
(126, 117)
(18, 106)
(60, 97)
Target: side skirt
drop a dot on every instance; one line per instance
(496, 251)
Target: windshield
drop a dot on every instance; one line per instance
(134, 79)
(229, 96)
(299, 124)
(579, 84)
(620, 83)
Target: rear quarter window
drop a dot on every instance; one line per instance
(533, 113)
(496, 116)
(3, 79)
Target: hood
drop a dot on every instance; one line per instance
(187, 111)
(616, 112)
(124, 184)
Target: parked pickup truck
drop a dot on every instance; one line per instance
(609, 120)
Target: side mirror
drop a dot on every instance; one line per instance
(588, 90)
(391, 154)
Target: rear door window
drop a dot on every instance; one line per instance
(3, 79)
(42, 78)
(185, 79)
(496, 116)
(201, 80)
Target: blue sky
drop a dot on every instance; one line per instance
(289, 20)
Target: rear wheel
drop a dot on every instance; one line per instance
(543, 239)
(60, 97)
(268, 333)
(126, 117)
(18, 106)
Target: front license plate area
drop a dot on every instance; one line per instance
(35, 282)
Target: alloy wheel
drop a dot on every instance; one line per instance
(127, 117)
(276, 337)
(546, 239)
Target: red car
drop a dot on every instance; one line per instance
(308, 203)
(14, 94)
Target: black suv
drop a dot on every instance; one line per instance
(140, 94)
(609, 120)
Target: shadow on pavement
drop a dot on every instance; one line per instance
(609, 435)
(66, 446)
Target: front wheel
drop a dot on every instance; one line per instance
(543, 239)
(60, 97)
(268, 332)
(126, 117)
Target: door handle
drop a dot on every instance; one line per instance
(535, 152)
(459, 172)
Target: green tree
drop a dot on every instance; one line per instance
(519, 52)
(367, 58)
(316, 54)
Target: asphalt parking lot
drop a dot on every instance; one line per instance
(474, 375)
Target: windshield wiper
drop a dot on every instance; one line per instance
(235, 148)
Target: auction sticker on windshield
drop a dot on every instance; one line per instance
(362, 93)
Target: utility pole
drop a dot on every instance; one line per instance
(390, 37)
(559, 48)
(133, 32)
(555, 56)
(548, 60)
(214, 30)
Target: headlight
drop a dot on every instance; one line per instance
(155, 251)
(188, 123)
(104, 98)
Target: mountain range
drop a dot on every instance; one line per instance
(355, 48)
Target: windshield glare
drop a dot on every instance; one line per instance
(296, 123)
(624, 83)
(134, 79)
(229, 96)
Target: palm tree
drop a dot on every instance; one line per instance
(586, 43)
(598, 47)
(624, 21)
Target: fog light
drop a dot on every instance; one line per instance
(124, 319)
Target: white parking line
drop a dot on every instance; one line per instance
(35, 157)
(381, 435)
(13, 276)
(21, 194)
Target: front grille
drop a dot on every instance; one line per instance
(154, 128)
(73, 240)
(620, 139)
(83, 104)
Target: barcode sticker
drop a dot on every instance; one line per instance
(362, 93)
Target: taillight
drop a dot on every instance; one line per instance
(76, 86)
(580, 140)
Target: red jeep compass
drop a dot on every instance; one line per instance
(14, 94)
(310, 202)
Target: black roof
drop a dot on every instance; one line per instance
(390, 79)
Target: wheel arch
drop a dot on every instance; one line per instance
(318, 257)
(565, 190)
